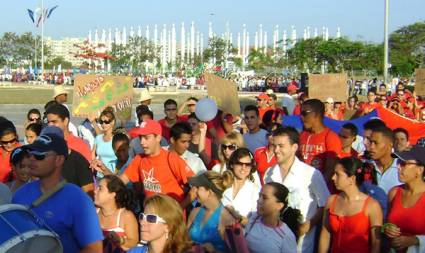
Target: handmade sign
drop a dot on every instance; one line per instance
(93, 93)
(328, 85)
(420, 82)
(224, 92)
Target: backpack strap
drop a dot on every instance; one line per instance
(48, 194)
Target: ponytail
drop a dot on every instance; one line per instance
(291, 217)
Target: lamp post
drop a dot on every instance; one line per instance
(386, 42)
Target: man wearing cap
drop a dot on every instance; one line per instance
(68, 211)
(144, 99)
(160, 170)
(60, 94)
(288, 102)
(263, 104)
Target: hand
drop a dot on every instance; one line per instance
(304, 228)
(98, 165)
(208, 247)
(114, 237)
(391, 230)
(403, 242)
(203, 128)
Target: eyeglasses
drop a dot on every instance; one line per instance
(231, 147)
(343, 136)
(170, 109)
(9, 142)
(40, 156)
(34, 119)
(306, 112)
(246, 165)
(104, 121)
(404, 163)
(151, 218)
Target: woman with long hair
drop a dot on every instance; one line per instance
(102, 150)
(352, 219)
(208, 222)
(118, 223)
(8, 142)
(274, 228)
(228, 145)
(242, 195)
(162, 227)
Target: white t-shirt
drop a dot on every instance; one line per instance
(217, 168)
(262, 238)
(194, 162)
(307, 192)
(257, 140)
(245, 201)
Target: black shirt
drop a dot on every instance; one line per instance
(76, 170)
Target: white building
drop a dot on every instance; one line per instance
(65, 48)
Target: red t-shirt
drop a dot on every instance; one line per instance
(316, 148)
(352, 153)
(262, 111)
(165, 129)
(367, 107)
(5, 167)
(218, 125)
(263, 161)
(165, 173)
(77, 144)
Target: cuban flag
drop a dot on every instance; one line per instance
(46, 14)
(31, 14)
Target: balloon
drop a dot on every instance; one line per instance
(206, 109)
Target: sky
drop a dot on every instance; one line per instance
(358, 19)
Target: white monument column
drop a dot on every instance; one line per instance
(182, 44)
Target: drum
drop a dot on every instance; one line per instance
(22, 231)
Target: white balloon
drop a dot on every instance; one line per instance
(206, 109)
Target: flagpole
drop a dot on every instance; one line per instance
(42, 40)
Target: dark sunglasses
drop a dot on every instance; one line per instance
(39, 156)
(231, 147)
(249, 165)
(34, 119)
(305, 113)
(104, 121)
(8, 142)
(151, 218)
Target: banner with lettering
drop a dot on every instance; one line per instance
(93, 93)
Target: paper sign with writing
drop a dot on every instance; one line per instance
(93, 93)
(420, 82)
(328, 85)
(224, 92)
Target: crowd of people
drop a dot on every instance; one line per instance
(178, 184)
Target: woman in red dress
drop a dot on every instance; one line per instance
(406, 223)
(352, 219)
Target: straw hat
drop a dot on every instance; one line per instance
(58, 90)
(145, 95)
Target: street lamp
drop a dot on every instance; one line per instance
(386, 65)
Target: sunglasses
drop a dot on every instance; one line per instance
(34, 119)
(404, 163)
(39, 156)
(231, 147)
(246, 165)
(151, 218)
(8, 142)
(104, 121)
(305, 113)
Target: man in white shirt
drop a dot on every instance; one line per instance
(307, 188)
(180, 136)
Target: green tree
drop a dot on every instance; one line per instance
(218, 49)
(50, 64)
(407, 49)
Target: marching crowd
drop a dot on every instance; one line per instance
(182, 185)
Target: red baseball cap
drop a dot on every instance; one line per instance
(263, 96)
(148, 127)
(292, 87)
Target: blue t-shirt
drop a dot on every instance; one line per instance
(257, 140)
(69, 212)
(106, 153)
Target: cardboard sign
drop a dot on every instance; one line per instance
(328, 85)
(420, 82)
(93, 93)
(224, 92)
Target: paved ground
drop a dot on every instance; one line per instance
(17, 99)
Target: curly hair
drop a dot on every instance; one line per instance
(123, 196)
(238, 154)
(232, 138)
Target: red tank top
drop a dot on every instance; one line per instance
(410, 220)
(349, 233)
